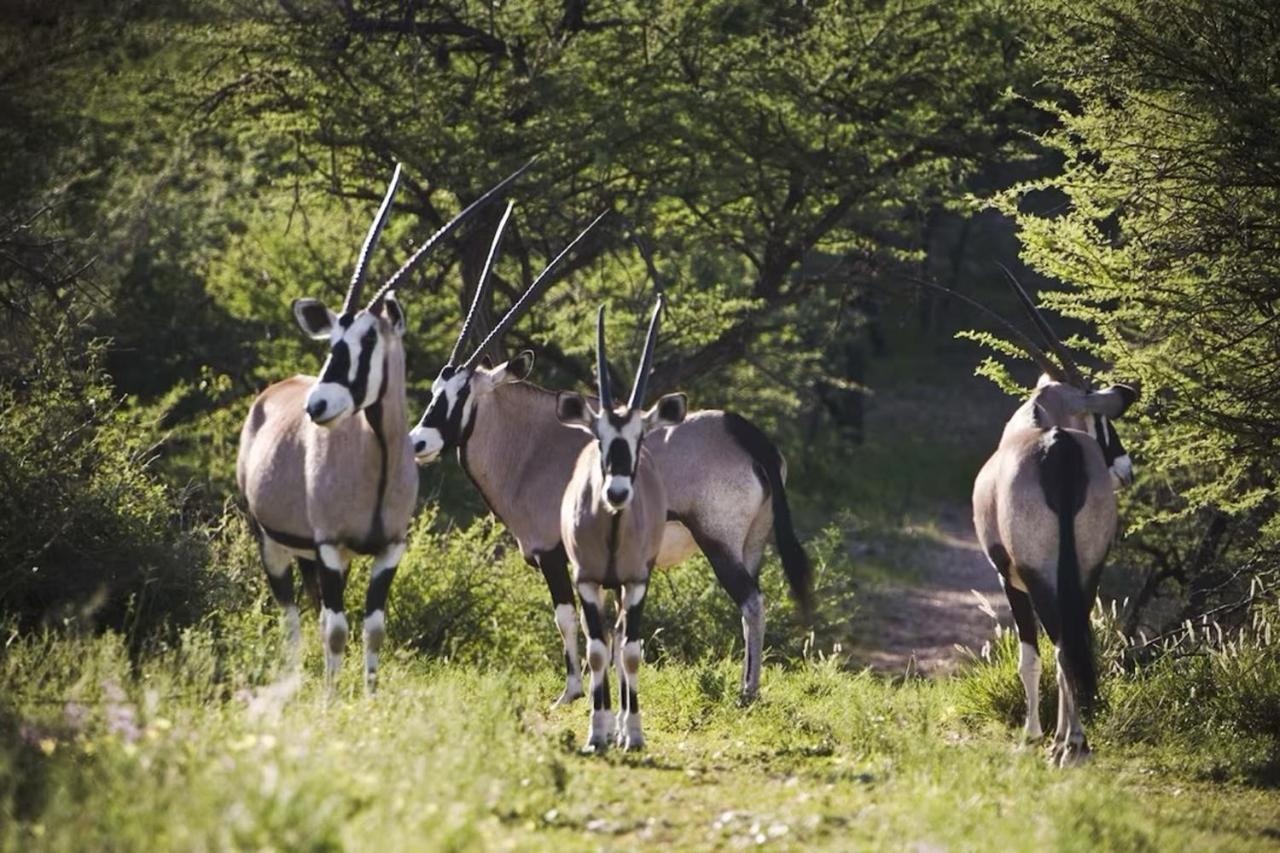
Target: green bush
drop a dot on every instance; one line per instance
(88, 533)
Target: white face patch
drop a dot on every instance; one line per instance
(617, 467)
(428, 439)
(353, 369)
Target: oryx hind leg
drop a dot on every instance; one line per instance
(1073, 748)
(333, 618)
(731, 570)
(554, 566)
(278, 561)
(375, 609)
(1029, 666)
(310, 570)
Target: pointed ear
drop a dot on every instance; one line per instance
(572, 410)
(393, 311)
(521, 366)
(668, 411)
(315, 319)
(1111, 402)
(514, 370)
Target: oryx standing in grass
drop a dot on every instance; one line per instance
(612, 519)
(1044, 507)
(326, 465)
(724, 481)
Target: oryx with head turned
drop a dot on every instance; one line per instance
(1044, 508)
(612, 518)
(325, 464)
(724, 480)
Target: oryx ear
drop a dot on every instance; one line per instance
(393, 311)
(315, 319)
(668, 411)
(515, 370)
(1111, 402)
(572, 410)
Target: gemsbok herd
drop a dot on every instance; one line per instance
(328, 470)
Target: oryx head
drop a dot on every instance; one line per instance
(353, 375)
(451, 412)
(620, 430)
(351, 378)
(1066, 398)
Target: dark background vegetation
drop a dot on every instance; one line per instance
(175, 172)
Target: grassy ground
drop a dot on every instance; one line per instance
(182, 750)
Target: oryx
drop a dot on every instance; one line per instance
(724, 481)
(325, 464)
(1044, 508)
(612, 519)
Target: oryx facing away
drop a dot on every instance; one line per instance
(325, 464)
(612, 519)
(724, 482)
(1044, 508)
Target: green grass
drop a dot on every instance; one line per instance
(191, 748)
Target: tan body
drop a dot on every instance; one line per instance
(308, 481)
(606, 548)
(519, 453)
(1009, 508)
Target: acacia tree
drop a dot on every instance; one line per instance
(739, 138)
(1170, 250)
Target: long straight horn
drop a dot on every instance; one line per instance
(646, 358)
(602, 365)
(1028, 346)
(1073, 372)
(370, 240)
(528, 297)
(481, 285)
(435, 238)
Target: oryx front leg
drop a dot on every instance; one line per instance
(630, 731)
(333, 619)
(375, 607)
(602, 720)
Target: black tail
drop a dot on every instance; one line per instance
(1062, 478)
(795, 562)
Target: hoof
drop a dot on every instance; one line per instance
(1074, 755)
(596, 746)
(748, 696)
(570, 695)
(633, 742)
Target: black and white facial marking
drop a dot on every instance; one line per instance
(353, 374)
(447, 417)
(1117, 458)
(620, 436)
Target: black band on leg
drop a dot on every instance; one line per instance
(375, 598)
(333, 583)
(591, 616)
(555, 570)
(310, 570)
(282, 587)
(1024, 616)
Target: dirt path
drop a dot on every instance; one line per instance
(917, 625)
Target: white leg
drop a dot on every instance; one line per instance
(1029, 672)
(1064, 707)
(567, 625)
(375, 620)
(1073, 750)
(602, 719)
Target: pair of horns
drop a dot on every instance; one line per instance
(380, 219)
(646, 360)
(1070, 371)
(522, 304)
